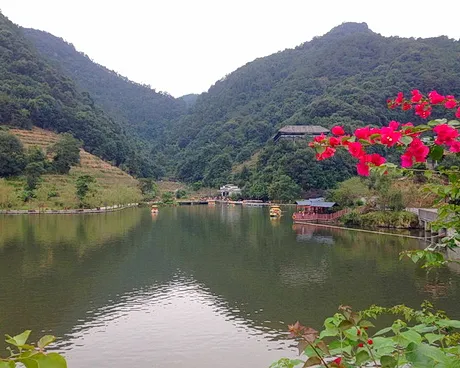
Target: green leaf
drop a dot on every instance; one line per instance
(412, 336)
(45, 341)
(388, 361)
(320, 149)
(454, 122)
(431, 337)
(7, 364)
(449, 323)
(436, 153)
(415, 356)
(329, 332)
(29, 363)
(51, 360)
(428, 174)
(406, 140)
(314, 360)
(18, 340)
(383, 331)
(362, 357)
(437, 122)
(365, 323)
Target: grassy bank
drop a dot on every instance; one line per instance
(112, 185)
(385, 219)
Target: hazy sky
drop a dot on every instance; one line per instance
(184, 46)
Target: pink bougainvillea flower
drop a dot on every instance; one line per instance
(362, 168)
(328, 153)
(376, 159)
(406, 106)
(320, 138)
(450, 102)
(445, 134)
(455, 147)
(362, 133)
(416, 96)
(457, 113)
(435, 98)
(399, 99)
(338, 130)
(406, 161)
(393, 124)
(423, 110)
(416, 151)
(356, 149)
(389, 137)
(334, 141)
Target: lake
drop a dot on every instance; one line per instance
(195, 286)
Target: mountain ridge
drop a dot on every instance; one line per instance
(344, 76)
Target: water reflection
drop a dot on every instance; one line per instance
(194, 286)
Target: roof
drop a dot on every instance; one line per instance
(316, 203)
(303, 129)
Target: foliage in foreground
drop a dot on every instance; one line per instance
(29, 355)
(420, 338)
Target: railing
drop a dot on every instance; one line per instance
(326, 217)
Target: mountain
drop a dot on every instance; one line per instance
(343, 77)
(35, 93)
(141, 110)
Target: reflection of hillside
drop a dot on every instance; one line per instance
(255, 266)
(83, 232)
(260, 274)
(48, 278)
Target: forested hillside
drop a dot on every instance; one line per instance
(138, 107)
(343, 77)
(34, 93)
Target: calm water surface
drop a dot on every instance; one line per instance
(194, 286)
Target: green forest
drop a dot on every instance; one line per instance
(225, 134)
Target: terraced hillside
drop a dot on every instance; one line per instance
(113, 186)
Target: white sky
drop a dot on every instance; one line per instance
(184, 46)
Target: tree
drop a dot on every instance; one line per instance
(66, 153)
(33, 172)
(83, 186)
(349, 192)
(12, 159)
(148, 188)
(284, 189)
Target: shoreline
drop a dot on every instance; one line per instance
(362, 230)
(114, 208)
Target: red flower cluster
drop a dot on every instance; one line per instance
(422, 104)
(416, 151)
(395, 134)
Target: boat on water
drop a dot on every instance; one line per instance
(154, 210)
(275, 212)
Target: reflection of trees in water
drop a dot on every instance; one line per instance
(51, 280)
(254, 265)
(259, 274)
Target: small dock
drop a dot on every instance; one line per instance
(191, 203)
